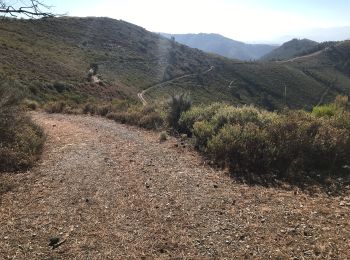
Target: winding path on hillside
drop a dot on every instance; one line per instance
(303, 57)
(141, 95)
(110, 191)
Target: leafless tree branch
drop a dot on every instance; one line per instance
(29, 8)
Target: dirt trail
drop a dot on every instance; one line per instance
(114, 192)
(141, 95)
(303, 57)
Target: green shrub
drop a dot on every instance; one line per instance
(31, 104)
(325, 110)
(244, 148)
(203, 131)
(176, 106)
(198, 113)
(287, 145)
(241, 115)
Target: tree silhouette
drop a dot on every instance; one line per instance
(29, 8)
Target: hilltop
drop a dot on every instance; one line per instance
(290, 49)
(218, 44)
(53, 59)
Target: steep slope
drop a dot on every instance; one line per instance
(290, 49)
(218, 44)
(54, 59)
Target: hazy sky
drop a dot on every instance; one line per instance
(246, 20)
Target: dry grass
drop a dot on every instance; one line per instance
(113, 192)
(21, 140)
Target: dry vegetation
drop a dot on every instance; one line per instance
(21, 140)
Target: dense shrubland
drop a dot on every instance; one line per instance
(21, 140)
(284, 145)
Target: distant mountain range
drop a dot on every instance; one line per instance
(218, 44)
(290, 49)
(319, 34)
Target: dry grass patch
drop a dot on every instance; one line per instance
(21, 140)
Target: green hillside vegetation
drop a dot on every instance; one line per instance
(290, 49)
(319, 47)
(257, 145)
(52, 58)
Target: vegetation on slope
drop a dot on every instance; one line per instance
(290, 49)
(53, 57)
(21, 140)
(258, 145)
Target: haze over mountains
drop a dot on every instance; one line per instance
(318, 35)
(218, 44)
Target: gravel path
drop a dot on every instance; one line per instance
(110, 191)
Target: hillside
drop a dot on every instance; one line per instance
(290, 49)
(52, 58)
(218, 44)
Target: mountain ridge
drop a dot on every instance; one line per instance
(218, 44)
(290, 49)
(53, 57)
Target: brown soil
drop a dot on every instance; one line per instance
(110, 191)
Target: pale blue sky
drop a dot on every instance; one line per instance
(247, 20)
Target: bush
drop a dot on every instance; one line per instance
(287, 145)
(198, 113)
(21, 140)
(104, 110)
(176, 106)
(152, 120)
(163, 137)
(244, 148)
(203, 131)
(342, 102)
(90, 109)
(31, 104)
(325, 110)
(146, 117)
(55, 107)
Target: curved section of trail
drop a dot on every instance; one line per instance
(110, 191)
(303, 57)
(141, 95)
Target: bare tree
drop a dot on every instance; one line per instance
(29, 8)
